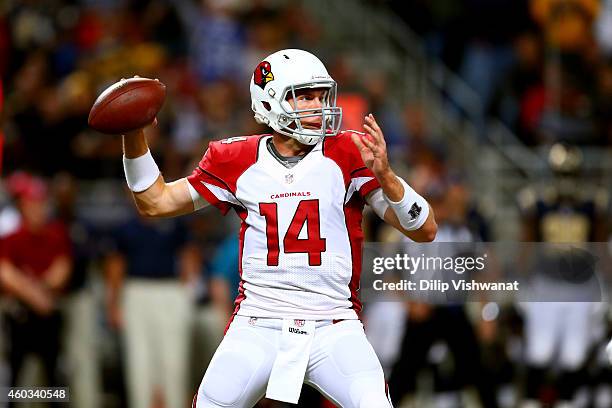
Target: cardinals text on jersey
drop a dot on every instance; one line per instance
(301, 237)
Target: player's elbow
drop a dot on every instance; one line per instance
(151, 203)
(430, 232)
(427, 232)
(148, 211)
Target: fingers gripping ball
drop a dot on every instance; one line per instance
(127, 105)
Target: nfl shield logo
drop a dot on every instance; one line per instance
(298, 323)
(289, 178)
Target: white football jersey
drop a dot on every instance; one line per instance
(301, 237)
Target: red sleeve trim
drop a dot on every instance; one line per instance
(194, 180)
(362, 172)
(368, 187)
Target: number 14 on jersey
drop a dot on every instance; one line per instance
(307, 212)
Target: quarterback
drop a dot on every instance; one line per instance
(299, 193)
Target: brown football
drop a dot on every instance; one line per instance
(127, 105)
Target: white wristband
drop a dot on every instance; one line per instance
(412, 210)
(140, 172)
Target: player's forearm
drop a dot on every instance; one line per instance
(143, 177)
(164, 199)
(152, 195)
(135, 144)
(390, 185)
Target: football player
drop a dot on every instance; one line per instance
(562, 317)
(299, 193)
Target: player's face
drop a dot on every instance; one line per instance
(306, 99)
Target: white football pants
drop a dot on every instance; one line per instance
(342, 365)
(558, 330)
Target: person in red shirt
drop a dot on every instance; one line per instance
(35, 263)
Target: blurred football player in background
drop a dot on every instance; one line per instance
(562, 211)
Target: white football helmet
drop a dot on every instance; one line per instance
(279, 75)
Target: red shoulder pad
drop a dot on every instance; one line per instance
(223, 163)
(227, 159)
(343, 151)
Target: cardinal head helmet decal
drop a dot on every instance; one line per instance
(263, 74)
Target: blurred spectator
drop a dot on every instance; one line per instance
(385, 325)
(350, 92)
(217, 102)
(567, 24)
(34, 276)
(217, 40)
(439, 23)
(568, 113)
(269, 28)
(524, 76)
(80, 317)
(224, 266)
(148, 299)
(1, 122)
(603, 28)
(603, 101)
(388, 110)
(438, 333)
(218, 287)
(490, 26)
(9, 215)
(423, 148)
(217, 246)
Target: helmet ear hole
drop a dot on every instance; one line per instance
(266, 105)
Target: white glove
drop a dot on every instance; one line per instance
(609, 351)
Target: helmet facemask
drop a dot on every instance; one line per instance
(290, 120)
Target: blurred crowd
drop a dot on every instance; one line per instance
(543, 66)
(131, 310)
